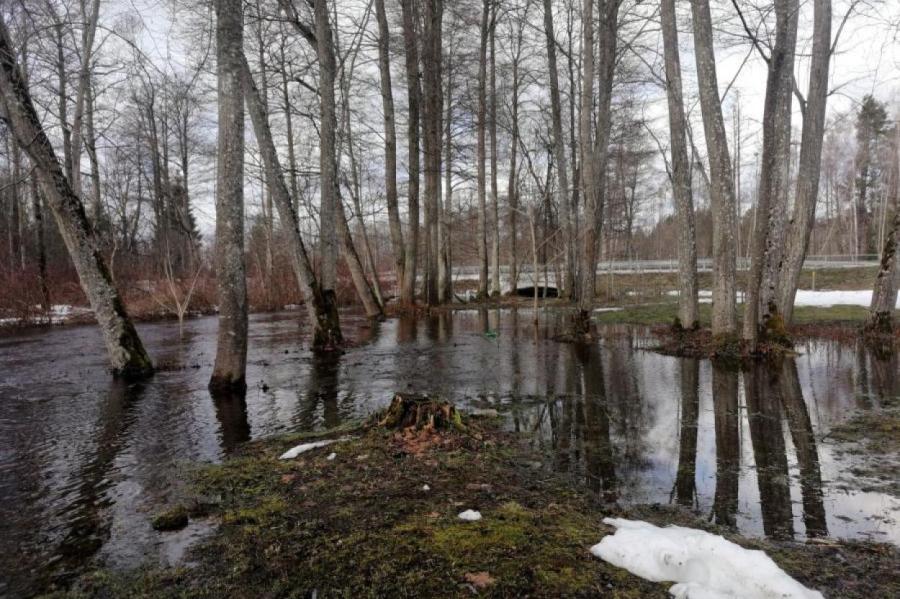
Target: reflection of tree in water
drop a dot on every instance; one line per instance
(322, 385)
(407, 329)
(685, 480)
(626, 405)
(885, 380)
(85, 515)
(231, 412)
(599, 456)
(728, 445)
(805, 447)
(761, 387)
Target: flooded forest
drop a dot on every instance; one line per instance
(502, 298)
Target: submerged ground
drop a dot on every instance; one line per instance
(86, 464)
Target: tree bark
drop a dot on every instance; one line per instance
(323, 315)
(414, 92)
(559, 152)
(445, 268)
(688, 311)
(328, 176)
(229, 372)
(884, 293)
(84, 82)
(481, 152)
(721, 180)
(390, 140)
(432, 125)
(492, 120)
(808, 170)
(126, 352)
(594, 155)
(774, 173)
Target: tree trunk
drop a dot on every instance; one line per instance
(721, 180)
(432, 125)
(126, 352)
(808, 170)
(414, 91)
(774, 173)
(323, 315)
(559, 152)
(594, 156)
(445, 269)
(334, 227)
(688, 311)
(231, 350)
(84, 82)
(588, 190)
(884, 294)
(328, 176)
(390, 140)
(492, 119)
(481, 155)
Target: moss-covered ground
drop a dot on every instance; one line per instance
(364, 525)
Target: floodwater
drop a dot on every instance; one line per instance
(85, 461)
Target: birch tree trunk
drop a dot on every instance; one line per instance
(390, 140)
(481, 152)
(229, 372)
(774, 172)
(126, 352)
(323, 315)
(559, 152)
(688, 312)
(721, 180)
(414, 92)
(808, 170)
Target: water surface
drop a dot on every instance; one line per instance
(85, 461)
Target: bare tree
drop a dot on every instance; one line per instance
(809, 167)
(409, 8)
(229, 372)
(774, 173)
(559, 149)
(721, 180)
(680, 175)
(321, 308)
(126, 352)
(481, 152)
(884, 294)
(390, 139)
(432, 117)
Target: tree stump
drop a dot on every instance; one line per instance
(421, 412)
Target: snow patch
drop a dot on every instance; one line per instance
(470, 516)
(331, 456)
(703, 565)
(292, 453)
(426, 488)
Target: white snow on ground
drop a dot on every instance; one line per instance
(58, 313)
(808, 297)
(470, 516)
(703, 565)
(292, 453)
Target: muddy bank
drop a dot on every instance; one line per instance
(381, 516)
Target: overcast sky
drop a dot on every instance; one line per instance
(867, 62)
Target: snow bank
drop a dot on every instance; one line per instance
(470, 516)
(292, 453)
(808, 297)
(704, 566)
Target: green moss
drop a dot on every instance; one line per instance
(175, 518)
